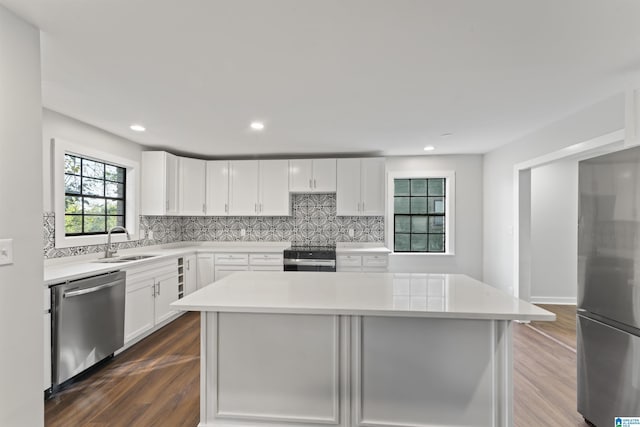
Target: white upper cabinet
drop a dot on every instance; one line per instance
(274, 188)
(217, 200)
(159, 182)
(312, 176)
(259, 187)
(243, 187)
(192, 174)
(360, 187)
(372, 186)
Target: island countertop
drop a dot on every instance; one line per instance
(368, 294)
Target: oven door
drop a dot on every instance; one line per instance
(291, 264)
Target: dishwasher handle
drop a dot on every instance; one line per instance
(79, 292)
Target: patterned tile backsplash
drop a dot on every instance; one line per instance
(313, 222)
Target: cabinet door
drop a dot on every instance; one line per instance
(159, 183)
(274, 188)
(372, 187)
(192, 186)
(190, 274)
(47, 351)
(166, 293)
(138, 309)
(225, 270)
(348, 187)
(217, 187)
(324, 175)
(172, 191)
(205, 273)
(300, 175)
(243, 184)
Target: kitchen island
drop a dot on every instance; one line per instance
(356, 349)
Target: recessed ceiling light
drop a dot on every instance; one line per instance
(446, 135)
(257, 125)
(138, 128)
(429, 148)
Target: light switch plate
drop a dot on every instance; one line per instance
(150, 235)
(6, 251)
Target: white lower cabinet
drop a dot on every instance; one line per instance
(47, 351)
(362, 263)
(150, 290)
(266, 262)
(190, 264)
(226, 264)
(205, 270)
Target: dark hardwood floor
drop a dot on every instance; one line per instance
(156, 383)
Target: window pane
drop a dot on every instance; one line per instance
(92, 169)
(436, 242)
(401, 187)
(402, 242)
(436, 224)
(72, 224)
(403, 224)
(94, 224)
(92, 187)
(436, 187)
(94, 206)
(72, 184)
(71, 164)
(418, 224)
(114, 190)
(436, 205)
(115, 207)
(418, 187)
(418, 205)
(112, 221)
(72, 205)
(419, 242)
(401, 205)
(114, 173)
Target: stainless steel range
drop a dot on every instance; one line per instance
(310, 258)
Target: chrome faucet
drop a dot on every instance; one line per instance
(108, 253)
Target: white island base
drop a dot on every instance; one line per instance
(353, 353)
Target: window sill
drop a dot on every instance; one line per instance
(413, 254)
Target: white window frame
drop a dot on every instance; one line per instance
(449, 217)
(60, 148)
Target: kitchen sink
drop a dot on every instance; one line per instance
(136, 257)
(124, 258)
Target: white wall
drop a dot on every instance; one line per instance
(21, 288)
(602, 118)
(56, 125)
(468, 220)
(554, 233)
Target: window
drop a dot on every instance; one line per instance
(93, 191)
(94, 196)
(420, 212)
(419, 215)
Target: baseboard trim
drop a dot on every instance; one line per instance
(554, 300)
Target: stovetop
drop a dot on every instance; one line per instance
(310, 252)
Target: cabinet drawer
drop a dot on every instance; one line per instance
(231, 259)
(374, 260)
(266, 259)
(349, 260)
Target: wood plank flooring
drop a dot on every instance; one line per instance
(156, 383)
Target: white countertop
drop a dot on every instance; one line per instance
(71, 268)
(361, 248)
(372, 294)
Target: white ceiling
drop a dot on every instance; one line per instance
(331, 76)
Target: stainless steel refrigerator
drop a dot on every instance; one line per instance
(608, 321)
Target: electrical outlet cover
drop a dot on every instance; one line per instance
(6, 251)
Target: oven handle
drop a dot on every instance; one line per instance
(79, 292)
(311, 262)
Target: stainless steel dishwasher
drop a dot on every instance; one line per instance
(87, 323)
